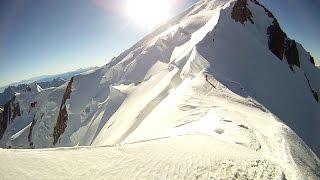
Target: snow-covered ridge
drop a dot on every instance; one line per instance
(11, 91)
(221, 80)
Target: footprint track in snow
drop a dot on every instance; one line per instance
(219, 130)
(226, 120)
(187, 107)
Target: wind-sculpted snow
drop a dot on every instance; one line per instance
(218, 92)
(285, 94)
(205, 158)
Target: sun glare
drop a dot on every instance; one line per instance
(148, 13)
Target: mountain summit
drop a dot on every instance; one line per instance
(218, 92)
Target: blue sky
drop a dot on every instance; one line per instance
(40, 37)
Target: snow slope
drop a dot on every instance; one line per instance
(143, 161)
(218, 92)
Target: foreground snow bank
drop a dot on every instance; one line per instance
(223, 136)
(204, 96)
(188, 156)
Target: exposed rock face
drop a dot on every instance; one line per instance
(265, 9)
(30, 132)
(32, 105)
(10, 112)
(241, 12)
(63, 115)
(292, 53)
(281, 46)
(15, 111)
(314, 93)
(312, 60)
(276, 39)
(6, 116)
(34, 121)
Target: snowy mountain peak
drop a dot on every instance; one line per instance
(35, 88)
(222, 75)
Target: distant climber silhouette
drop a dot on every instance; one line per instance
(209, 81)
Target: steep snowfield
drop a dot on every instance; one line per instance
(37, 108)
(222, 136)
(211, 94)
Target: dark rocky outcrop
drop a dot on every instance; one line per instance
(314, 93)
(6, 117)
(312, 60)
(281, 46)
(61, 123)
(10, 112)
(276, 39)
(34, 120)
(279, 43)
(241, 13)
(265, 9)
(15, 111)
(292, 54)
(32, 105)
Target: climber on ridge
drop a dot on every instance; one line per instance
(209, 81)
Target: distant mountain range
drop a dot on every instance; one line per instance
(46, 78)
(46, 81)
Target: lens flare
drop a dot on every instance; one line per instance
(148, 12)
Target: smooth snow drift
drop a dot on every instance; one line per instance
(219, 92)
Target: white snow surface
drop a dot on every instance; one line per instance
(202, 97)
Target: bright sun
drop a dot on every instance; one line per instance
(148, 13)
